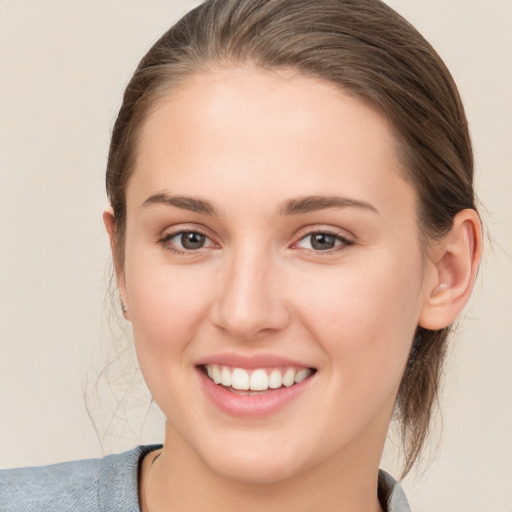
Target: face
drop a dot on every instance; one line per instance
(271, 244)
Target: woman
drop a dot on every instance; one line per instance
(294, 230)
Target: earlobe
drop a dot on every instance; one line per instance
(110, 225)
(455, 264)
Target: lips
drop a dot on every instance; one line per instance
(253, 387)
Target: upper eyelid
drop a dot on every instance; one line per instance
(339, 233)
(184, 228)
(171, 234)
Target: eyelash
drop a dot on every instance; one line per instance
(344, 241)
(164, 241)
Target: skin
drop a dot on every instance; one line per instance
(249, 142)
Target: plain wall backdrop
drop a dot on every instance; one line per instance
(63, 67)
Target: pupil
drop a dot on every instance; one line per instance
(192, 240)
(321, 241)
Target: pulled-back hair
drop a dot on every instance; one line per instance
(369, 51)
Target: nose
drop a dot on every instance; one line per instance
(250, 302)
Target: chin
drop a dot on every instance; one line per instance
(253, 464)
(256, 471)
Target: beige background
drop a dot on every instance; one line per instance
(63, 65)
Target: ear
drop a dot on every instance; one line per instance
(454, 265)
(110, 225)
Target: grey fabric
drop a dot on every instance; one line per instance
(107, 485)
(103, 485)
(396, 500)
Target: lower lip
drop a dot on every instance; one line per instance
(251, 406)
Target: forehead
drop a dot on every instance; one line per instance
(247, 128)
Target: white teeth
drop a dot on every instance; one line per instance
(256, 380)
(259, 380)
(240, 379)
(275, 379)
(302, 375)
(216, 375)
(226, 377)
(289, 377)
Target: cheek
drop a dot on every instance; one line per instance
(365, 316)
(167, 311)
(167, 306)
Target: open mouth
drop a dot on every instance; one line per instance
(255, 381)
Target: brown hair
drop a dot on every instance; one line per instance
(368, 50)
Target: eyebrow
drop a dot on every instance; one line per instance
(186, 203)
(308, 204)
(295, 206)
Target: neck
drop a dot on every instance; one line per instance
(180, 481)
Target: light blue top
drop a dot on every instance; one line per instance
(104, 485)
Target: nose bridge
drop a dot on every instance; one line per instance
(250, 301)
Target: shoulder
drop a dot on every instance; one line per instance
(91, 485)
(68, 485)
(391, 494)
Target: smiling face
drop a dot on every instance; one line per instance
(270, 239)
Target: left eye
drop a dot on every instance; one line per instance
(322, 241)
(187, 240)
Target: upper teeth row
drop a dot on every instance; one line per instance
(258, 380)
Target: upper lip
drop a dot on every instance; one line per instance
(251, 362)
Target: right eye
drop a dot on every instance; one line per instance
(185, 241)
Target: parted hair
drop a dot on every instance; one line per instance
(368, 50)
